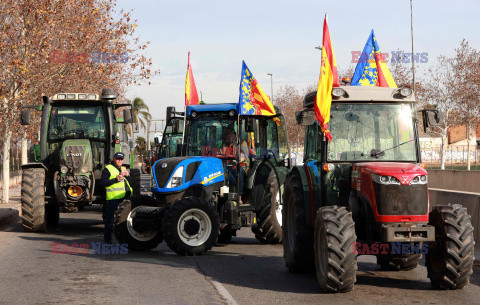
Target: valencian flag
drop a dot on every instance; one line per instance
(253, 99)
(191, 95)
(372, 70)
(328, 79)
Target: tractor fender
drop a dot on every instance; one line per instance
(34, 165)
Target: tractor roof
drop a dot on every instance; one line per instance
(212, 108)
(364, 94)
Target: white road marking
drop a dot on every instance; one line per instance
(224, 293)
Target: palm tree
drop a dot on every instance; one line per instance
(141, 113)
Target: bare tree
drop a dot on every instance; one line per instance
(465, 81)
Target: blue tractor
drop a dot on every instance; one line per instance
(225, 173)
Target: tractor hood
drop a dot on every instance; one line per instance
(76, 153)
(404, 172)
(179, 173)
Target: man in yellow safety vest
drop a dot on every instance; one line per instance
(117, 183)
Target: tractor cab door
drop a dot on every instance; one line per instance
(171, 145)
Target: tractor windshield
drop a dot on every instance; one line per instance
(211, 135)
(76, 122)
(363, 132)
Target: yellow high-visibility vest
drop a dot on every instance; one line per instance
(116, 190)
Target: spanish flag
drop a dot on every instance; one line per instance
(191, 95)
(328, 79)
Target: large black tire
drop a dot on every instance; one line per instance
(125, 231)
(136, 181)
(297, 236)
(398, 262)
(190, 226)
(33, 200)
(335, 260)
(53, 213)
(450, 259)
(269, 230)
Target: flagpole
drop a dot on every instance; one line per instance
(413, 62)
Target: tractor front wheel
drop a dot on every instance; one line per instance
(33, 200)
(335, 259)
(450, 258)
(126, 232)
(190, 226)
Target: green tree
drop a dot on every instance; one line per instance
(141, 113)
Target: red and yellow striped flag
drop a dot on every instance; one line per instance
(328, 79)
(191, 95)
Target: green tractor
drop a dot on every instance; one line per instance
(366, 192)
(79, 135)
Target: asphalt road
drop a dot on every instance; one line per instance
(243, 272)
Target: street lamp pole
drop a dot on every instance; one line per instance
(271, 84)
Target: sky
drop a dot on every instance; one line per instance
(280, 37)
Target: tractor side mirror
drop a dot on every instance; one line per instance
(249, 125)
(127, 116)
(176, 126)
(305, 117)
(170, 112)
(432, 118)
(25, 117)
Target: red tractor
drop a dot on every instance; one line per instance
(365, 192)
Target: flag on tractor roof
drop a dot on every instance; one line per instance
(191, 95)
(327, 80)
(253, 99)
(372, 69)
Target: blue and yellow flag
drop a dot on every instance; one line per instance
(246, 106)
(372, 70)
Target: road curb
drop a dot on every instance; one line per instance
(9, 213)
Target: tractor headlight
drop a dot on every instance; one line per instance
(420, 180)
(385, 179)
(63, 169)
(84, 169)
(176, 179)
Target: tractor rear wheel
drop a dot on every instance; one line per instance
(450, 258)
(398, 262)
(269, 217)
(297, 236)
(125, 231)
(190, 226)
(33, 200)
(136, 181)
(335, 259)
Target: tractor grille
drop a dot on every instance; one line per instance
(74, 156)
(163, 172)
(401, 199)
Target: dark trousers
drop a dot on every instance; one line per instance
(112, 206)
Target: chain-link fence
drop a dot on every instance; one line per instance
(456, 157)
